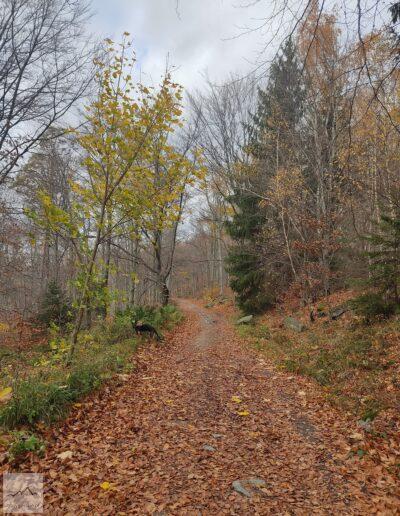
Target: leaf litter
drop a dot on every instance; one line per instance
(138, 446)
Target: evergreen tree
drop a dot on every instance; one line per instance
(385, 258)
(279, 109)
(244, 261)
(275, 123)
(384, 265)
(55, 307)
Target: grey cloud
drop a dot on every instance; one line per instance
(203, 38)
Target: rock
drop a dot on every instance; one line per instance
(65, 455)
(238, 487)
(256, 482)
(293, 324)
(245, 486)
(356, 436)
(217, 436)
(209, 448)
(365, 425)
(245, 320)
(337, 312)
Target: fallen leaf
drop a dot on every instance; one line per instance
(65, 455)
(236, 399)
(105, 486)
(244, 413)
(356, 436)
(5, 394)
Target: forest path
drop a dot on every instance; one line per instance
(169, 438)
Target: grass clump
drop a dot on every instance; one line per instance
(46, 395)
(354, 363)
(23, 443)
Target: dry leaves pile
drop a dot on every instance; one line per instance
(197, 415)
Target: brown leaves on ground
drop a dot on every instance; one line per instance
(171, 440)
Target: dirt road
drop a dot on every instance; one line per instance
(204, 426)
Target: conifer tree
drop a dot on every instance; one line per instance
(244, 261)
(385, 258)
(275, 123)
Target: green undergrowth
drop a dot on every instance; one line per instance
(354, 363)
(44, 387)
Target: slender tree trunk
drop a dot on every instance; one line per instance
(134, 270)
(85, 289)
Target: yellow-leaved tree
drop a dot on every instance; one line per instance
(130, 173)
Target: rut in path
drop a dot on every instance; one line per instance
(170, 440)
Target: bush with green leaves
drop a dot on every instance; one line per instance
(47, 395)
(164, 316)
(23, 443)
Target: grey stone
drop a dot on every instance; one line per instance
(207, 447)
(238, 487)
(337, 312)
(257, 482)
(245, 320)
(291, 323)
(365, 425)
(245, 486)
(217, 436)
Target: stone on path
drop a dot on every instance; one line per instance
(207, 447)
(246, 486)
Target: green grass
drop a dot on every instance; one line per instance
(23, 443)
(351, 363)
(43, 387)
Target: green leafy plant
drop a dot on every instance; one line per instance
(24, 443)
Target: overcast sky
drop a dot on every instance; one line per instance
(203, 37)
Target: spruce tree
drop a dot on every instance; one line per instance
(385, 258)
(244, 261)
(55, 307)
(279, 109)
(383, 299)
(278, 115)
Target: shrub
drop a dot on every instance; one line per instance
(23, 443)
(168, 315)
(34, 400)
(118, 330)
(47, 399)
(46, 395)
(373, 305)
